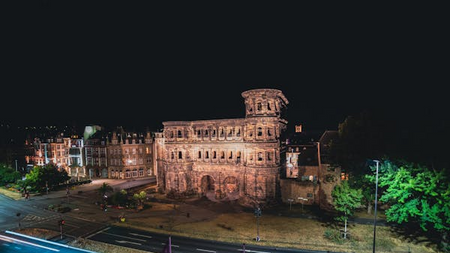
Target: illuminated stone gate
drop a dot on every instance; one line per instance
(226, 158)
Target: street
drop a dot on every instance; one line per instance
(154, 242)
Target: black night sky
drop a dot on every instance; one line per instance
(130, 65)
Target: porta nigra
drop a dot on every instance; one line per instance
(226, 159)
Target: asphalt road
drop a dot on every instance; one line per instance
(155, 242)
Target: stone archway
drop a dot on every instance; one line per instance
(207, 185)
(231, 187)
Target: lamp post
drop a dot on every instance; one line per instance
(257, 215)
(375, 212)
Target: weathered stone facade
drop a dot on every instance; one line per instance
(226, 158)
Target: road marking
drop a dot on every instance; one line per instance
(205, 250)
(254, 251)
(127, 237)
(136, 243)
(173, 245)
(146, 236)
(101, 231)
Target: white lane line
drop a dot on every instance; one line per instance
(29, 243)
(252, 251)
(135, 243)
(101, 231)
(173, 245)
(46, 241)
(146, 236)
(127, 237)
(205, 250)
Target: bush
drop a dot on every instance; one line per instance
(334, 236)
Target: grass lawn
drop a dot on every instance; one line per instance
(274, 230)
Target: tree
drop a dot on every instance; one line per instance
(416, 194)
(40, 176)
(8, 174)
(104, 189)
(346, 200)
(368, 134)
(139, 198)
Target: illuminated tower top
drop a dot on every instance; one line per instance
(264, 102)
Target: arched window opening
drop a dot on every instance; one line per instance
(260, 156)
(259, 131)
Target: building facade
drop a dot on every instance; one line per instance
(95, 151)
(226, 158)
(130, 155)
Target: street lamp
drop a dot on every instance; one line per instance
(375, 216)
(257, 215)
